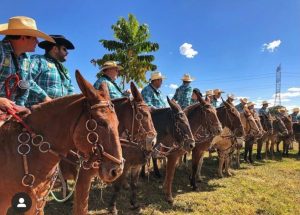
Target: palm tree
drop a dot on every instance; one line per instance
(130, 49)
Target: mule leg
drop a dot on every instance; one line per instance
(113, 201)
(81, 194)
(133, 185)
(197, 158)
(221, 164)
(250, 152)
(227, 165)
(200, 163)
(155, 168)
(246, 151)
(143, 171)
(238, 154)
(170, 171)
(259, 148)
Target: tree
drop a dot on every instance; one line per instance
(130, 49)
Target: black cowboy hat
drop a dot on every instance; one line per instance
(59, 39)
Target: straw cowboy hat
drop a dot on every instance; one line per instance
(156, 75)
(59, 39)
(187, 77)
(250, 104)
(265, 103)
(110, 64)
(231, 96)
(209, 93)
(296, 110)
(282, 110)
(244, 100)
(24, 26)
(217, 91)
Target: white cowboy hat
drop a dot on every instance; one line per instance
(231, 96)
(209, 93)
(187, 77)
(24, 26)
(245, 100)
(296, 110)
(156, 75)
(217, 91)
(265, 103)
(110, 64)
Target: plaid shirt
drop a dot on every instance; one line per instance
(295, 117)
(183, 95)
(263, 111)
(240, 107)
(153, 97)
(214, 102)
(8, 68)
(49, 78)
(114, 90)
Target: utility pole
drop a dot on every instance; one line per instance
(278, 86)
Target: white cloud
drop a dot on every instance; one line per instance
(173, 86)
(294, 89)
(270, 47)
(187, 50)
(291, 93)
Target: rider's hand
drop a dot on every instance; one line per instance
(6, 104)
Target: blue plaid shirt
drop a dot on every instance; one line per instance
(263, 110)
(8, 68)
(240, 107)
(54, 83)
(153, 97)
(114, 90)
(183, 95)
(214, 102)
(295, 117)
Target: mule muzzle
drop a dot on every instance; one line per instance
(188, 144)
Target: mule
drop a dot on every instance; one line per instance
(296, 131)
(288, 138)
(138, 139)
(267, 124)
(29, 161)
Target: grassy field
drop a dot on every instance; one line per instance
(265, 188)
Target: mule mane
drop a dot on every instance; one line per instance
(188, 110)
(56, 102)
(160, 110)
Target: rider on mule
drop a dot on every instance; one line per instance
(194, 98)
(264, 109)
(49, 72)
(151, 93)
(295, 115)
(230, 99)
(183, 94)
(15, 78)
(250, 106)
(209, 96)
(109, 74)
(240, 107)
(216, 96)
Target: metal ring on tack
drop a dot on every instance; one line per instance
(27, 135)
(87, 124)
(43, 144)
(35, 137)
(95, 165)
(139, 116)
(20, 151)
(88, 137)
(32, 179)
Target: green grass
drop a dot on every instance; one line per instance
(265, 188)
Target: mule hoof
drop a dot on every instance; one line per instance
(135, 206)
(196, 188)
(113, 211)
(170, 200)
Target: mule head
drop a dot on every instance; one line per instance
(96, 133)
(208, 116)
(143, 124)
(181, 131)
(230, 117)
(267, 122)
(250, 126)
(279, 126)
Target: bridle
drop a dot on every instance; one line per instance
(37, 140)
(252, 130)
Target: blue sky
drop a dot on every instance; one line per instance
(228, 36)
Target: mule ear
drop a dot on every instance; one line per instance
(86, 88)
(173, 105)
(136, 93)
(104, 92)
(199, 97)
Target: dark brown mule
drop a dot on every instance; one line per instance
(267, 124)
(205, 125)
(135, 123)
(234, 138)
(286, 139)
(253, 139)
(174, 138)
(63, 124)
(279, 130)
(296, 131)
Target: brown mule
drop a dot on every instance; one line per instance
(135, 123)
(63, 124)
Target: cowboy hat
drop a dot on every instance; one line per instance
(156, 75)
(187, 77)
(209, 93)
(217, 91)
(244, 100)
(282, 110)
(295, 109)
(250, 104)
(24, 26)
(110, 64)
(59, 39)
(265, 103)
(231, 96)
